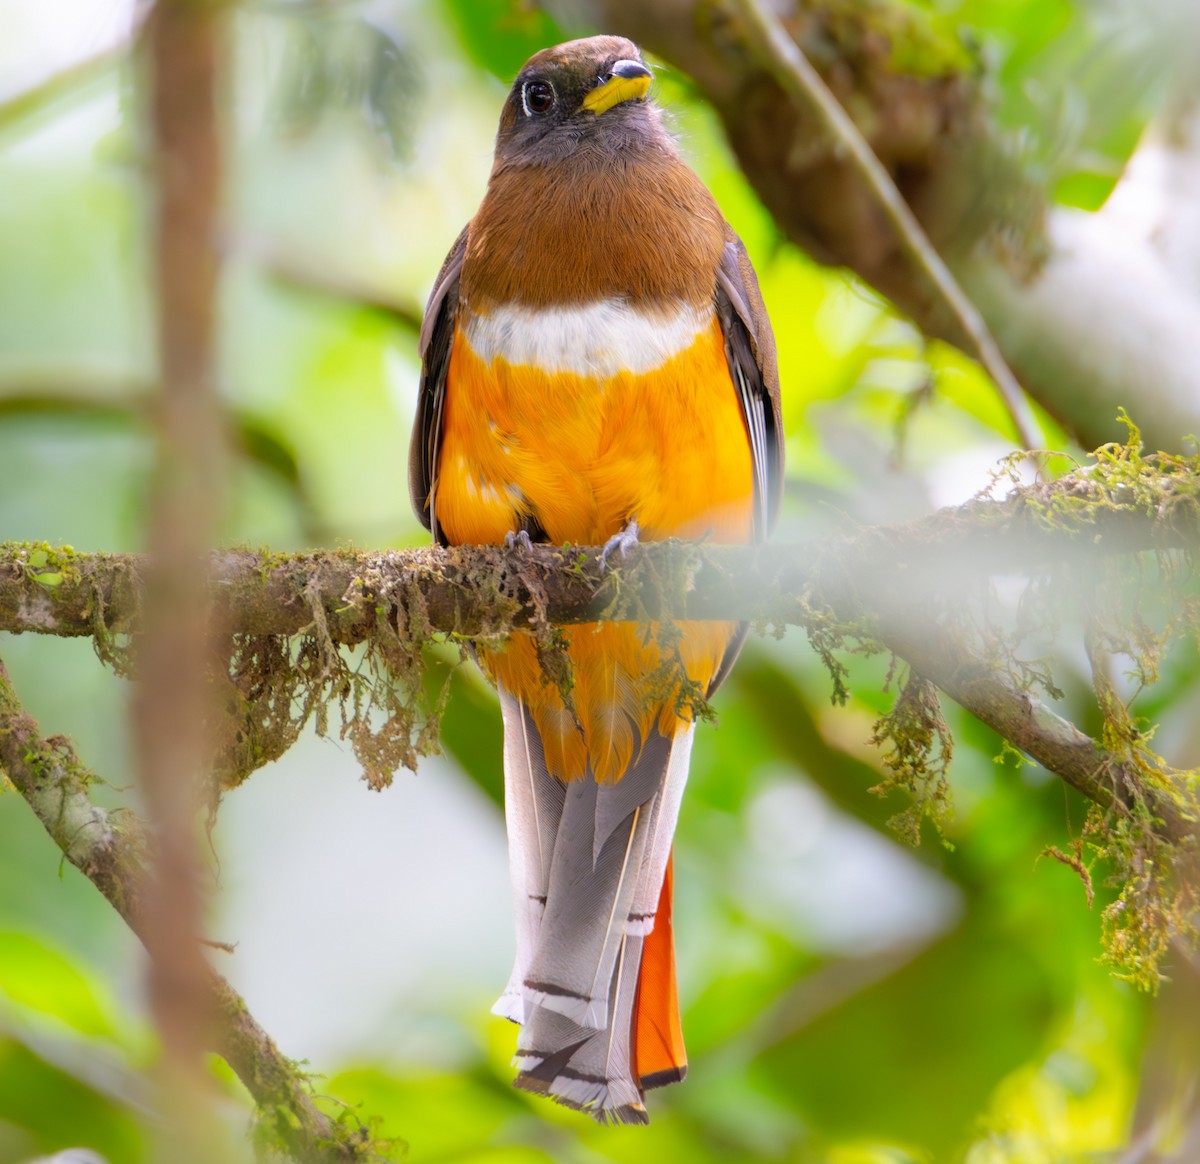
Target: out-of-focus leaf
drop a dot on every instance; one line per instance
(437, 1115)
(782, 710)
(58, 1111)
(338, 63)
(264, 446)
(39, 978)
(501, 35)
(946, 1028)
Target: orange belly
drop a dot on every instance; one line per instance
(667, 447)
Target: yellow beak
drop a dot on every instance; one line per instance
(614, 91)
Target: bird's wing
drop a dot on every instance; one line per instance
(750, 350)
(437, 333)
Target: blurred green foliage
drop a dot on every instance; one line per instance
(847, 1001)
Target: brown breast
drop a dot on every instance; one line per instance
(594, 226)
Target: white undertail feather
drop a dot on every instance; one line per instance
(532, 805)
(663, 820)
(595, 855)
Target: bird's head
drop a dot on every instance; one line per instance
(588, 92)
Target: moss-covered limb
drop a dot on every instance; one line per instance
(938, 653)
(106, 847)
(901, 586)
(1072, 311)
(287, 1116)
(1122, 504)
(804, 84)
(109, 849)
(913, 86)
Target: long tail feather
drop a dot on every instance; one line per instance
(588, 860)
(659, 1057)
(664, 818)
(587, 903)
(533, 802)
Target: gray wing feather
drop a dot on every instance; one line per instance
(437, 334)
(750, 350)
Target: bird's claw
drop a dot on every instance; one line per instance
(621, 542)
(519, 537)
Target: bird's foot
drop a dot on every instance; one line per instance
(518, 537)
(621, 542)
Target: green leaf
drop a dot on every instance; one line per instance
(40, 979)
(501, 35)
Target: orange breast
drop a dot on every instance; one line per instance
(583, 455)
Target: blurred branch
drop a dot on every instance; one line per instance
(1089, 315)
(804, 83)
(128, 402)
(171, 701)
(132, 408)
(110, 849)
(29, 102)
(291, 270)
(901, 586)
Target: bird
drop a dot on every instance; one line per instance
(597, 368)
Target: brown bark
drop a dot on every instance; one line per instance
(168, 710)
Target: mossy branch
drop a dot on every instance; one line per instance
(917, 590)
(900, 586)
(110, 850)
(487, 590)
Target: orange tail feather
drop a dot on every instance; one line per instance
(659, 1057)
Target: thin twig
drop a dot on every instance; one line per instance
(797, 75)
(28, 102)
(303, 272)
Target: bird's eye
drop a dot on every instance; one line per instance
(537, 97)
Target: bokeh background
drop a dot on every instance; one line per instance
(847, 999)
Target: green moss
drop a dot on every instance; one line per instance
(917, 749)
(47, 565)
(918, 43)
(1136, 605)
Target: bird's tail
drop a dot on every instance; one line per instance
(593, 984)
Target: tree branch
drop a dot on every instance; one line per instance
(1089, 315)
(170, 706)
(900, 586)
(110, 849)
(804, 83)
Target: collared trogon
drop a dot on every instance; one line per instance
(597, 366)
